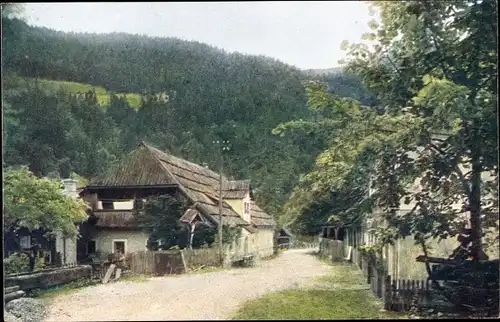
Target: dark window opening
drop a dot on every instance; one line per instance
(340, 234)
(119, 247)
(107, 205)
(139, 204)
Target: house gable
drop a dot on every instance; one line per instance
(148, 167)
(138, 168)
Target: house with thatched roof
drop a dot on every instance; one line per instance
(147, 172)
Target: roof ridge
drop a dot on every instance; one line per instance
(152, 151)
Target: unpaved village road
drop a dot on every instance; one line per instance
(206, 296)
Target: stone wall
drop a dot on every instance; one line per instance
(48, 278)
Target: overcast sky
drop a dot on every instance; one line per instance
(304, 34)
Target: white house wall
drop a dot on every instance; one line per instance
(238, 206)
(135, 240)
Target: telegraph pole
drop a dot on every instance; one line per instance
(224, 146)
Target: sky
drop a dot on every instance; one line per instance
(304, 34)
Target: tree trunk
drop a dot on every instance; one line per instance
(476, 250)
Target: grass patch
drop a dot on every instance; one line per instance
(79, 284)
(103, 95)
(62, 289)
(332, 301)
(313, 305)
(342, 274)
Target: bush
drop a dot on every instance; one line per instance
(17, 263)
(40, 263)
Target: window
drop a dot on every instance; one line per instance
(107, 205)
(246, 207)
(91, 247)
(119, 246)
(25, 241)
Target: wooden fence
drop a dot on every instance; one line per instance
(156, 263)
(302, 245)
(141, 263)
(332, 248)
(170, 261)
(400, 295)
(397, 295)
(208, 257)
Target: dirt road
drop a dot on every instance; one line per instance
(206, 296)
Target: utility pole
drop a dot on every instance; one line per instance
(224, 146)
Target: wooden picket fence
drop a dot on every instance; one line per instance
(401, 295)
(397, 294)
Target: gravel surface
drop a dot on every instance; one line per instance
(25, 309)
(8, 317)
(206, 296)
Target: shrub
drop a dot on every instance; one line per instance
(17, 263)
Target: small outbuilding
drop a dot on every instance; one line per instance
(285, 238)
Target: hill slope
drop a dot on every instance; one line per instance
(212, 95)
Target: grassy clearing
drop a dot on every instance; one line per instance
(103, 96)
(330, 302)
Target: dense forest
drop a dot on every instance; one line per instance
(211, 95)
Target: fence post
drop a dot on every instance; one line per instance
(387, 293)
(406, 287)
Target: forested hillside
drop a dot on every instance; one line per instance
(210, 95)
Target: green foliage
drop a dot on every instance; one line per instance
(229, 235)
(211, 95)
(17, 263)
(103, 96)
(12, 9)
(160, 218)
(434, 126)
(34, 203)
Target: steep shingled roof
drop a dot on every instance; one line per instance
(259, 217)
(148, 166)
(235, 189)
(115, 219)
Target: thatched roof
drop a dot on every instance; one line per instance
(148, 166)
(260, 218)
(115, 219)
(236, 189)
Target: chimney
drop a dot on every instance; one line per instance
(70, 187)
